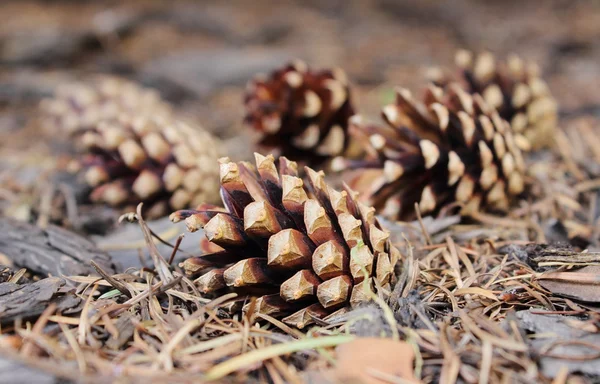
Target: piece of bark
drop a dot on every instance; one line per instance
(125, 328)
(52, 251)
(542, 255)
(582, 284)
(19, 369)
(28, 301)
(18, 373)
(562, 344)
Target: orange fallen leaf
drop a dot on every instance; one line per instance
(369, 360)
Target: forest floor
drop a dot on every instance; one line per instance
(474, 302)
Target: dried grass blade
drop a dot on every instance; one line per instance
(159, 262)
(476, 291)
(209, 344)
(39, 325)
(470, 325)
(240, 362)
(75, 347)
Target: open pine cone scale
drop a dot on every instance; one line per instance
(452, 147)
(514, 88)
(305, 249)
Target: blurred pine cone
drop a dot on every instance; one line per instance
(166, 165)
(301, 249)
(514, 88)
(301, 113)
(82, 105)
(452, 147)
(130, 150)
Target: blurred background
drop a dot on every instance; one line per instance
(200, 54)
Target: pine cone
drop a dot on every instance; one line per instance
(302, 114)
(81, 106)
(452, 147)
(514, 88)
(128, 157)
(302, 251)
(167, 165)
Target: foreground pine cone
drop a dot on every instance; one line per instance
(514, 88)
(301, 113)
(303, 251)
(452, 147)
(130, 149)
(80, 106)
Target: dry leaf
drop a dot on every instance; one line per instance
(370, 360)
